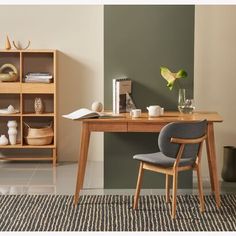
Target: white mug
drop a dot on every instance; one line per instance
(155, 110)
(162, 111)
(135, 113)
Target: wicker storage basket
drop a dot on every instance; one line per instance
(39, 136)
(39, 141)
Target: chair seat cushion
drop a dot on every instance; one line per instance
(158, 158)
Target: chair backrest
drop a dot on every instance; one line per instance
(185, 130)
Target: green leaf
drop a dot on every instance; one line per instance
(171, 77)
(181, 74)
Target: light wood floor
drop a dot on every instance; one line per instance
(40, 178)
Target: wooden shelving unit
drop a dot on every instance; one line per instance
(21, 95)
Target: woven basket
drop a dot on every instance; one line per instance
(39, 141)
(39, 136)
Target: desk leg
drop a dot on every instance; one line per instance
(85, 136)
(211, 156)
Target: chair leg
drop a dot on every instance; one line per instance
(167, 188)
(200, 189)
(175, 183)
(138, 186)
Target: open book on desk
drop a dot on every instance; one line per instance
(85, 113)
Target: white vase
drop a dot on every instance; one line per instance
(3, 140)
(12, 131)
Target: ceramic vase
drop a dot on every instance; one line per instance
(3, 140)
(12, 131)
(38, 106)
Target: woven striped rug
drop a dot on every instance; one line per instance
(113, 213)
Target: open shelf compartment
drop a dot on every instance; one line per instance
(12, 57)
(29, 104)
(4, 130)
(36, 62)
(10, 99)
(37, 122)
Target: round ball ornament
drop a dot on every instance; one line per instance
(97, 106)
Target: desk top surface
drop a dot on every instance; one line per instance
(170, 116)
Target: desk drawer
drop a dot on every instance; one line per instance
(145, 127)
(108, 127)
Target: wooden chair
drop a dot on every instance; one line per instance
(180, 146)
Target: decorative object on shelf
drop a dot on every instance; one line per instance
(39, 136)
(7, 44)
(38, 105)
(9, 110)
(9, 76)
(228, 173)
(12, 131)
(97, 106)
(19, 47)
(3, 140)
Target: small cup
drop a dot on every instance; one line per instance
(135, 113)
(162, 111)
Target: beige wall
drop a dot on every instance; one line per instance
(215, 71)
(77, 32)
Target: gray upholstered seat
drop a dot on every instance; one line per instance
(168, 151)
(180, 145)
(162, 160)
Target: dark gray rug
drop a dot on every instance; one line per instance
(113, 213)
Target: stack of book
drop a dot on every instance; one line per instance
(122, 100)
(39, 77)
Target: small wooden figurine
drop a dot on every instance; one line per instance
(8, 44)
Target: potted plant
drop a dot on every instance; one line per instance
(184, 105)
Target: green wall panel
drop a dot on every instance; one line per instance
(137, 41)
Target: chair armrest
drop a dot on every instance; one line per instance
(188, 141)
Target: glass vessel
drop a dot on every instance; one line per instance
(185, 105)
(181, 99)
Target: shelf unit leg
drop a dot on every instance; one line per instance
(54, 156)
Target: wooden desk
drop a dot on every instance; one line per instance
(146, 124)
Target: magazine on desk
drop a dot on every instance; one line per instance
(85, 113)
(121, 95)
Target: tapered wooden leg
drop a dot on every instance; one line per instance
(174, 195)
(85, 136)
(211, 156)
(138, 186)
(167, 188)
(54, 156)
(200, 189)
(210, 165)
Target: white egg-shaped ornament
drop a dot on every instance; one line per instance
(97, 106)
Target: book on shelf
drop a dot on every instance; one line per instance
(38, 77)
(84, 113)
(28, 80)
(122, 99)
